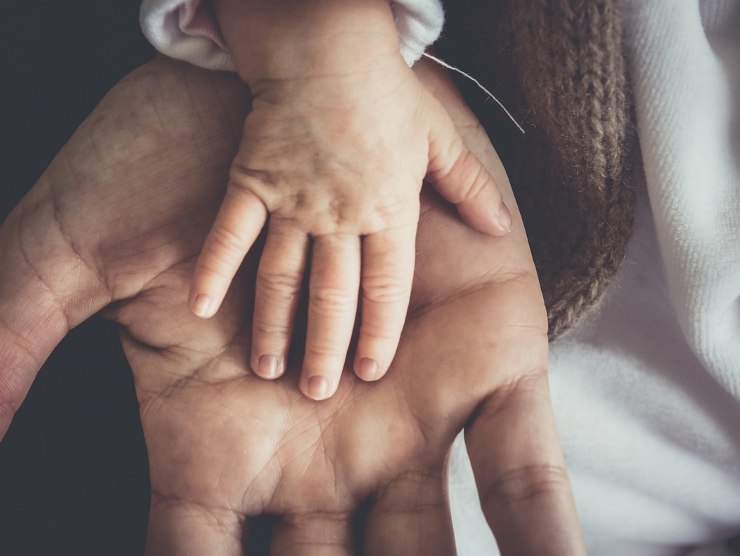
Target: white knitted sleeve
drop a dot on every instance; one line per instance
(187, 30)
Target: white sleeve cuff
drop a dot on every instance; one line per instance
(419, 23)
(187, 30)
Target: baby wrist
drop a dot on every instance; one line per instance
(277, 40)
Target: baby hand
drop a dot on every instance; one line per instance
(338, 163)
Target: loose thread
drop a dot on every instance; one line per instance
(478, 83)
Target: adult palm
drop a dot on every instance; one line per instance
(117, 222)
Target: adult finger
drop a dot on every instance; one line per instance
(46, 288)
(461, 179)
(520, 472)
(387, 273)
(411, 516)
(313, 534)
(277, 292)
(179, 528)
(238, 223)
(332, 305)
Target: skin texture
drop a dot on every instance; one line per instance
(335, 151)
(117, 222)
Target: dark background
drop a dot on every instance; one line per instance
(73, 468)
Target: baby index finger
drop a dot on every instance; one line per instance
(238, 223)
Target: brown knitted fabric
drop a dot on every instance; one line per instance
(558, 65)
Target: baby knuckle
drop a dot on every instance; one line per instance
(271, 329)
(323, 354)
(474, 177)
(447, 154)
(227, 240)
(400, 211)
(331, 301)
(382, 334)
(217, 267)
(384, 290)
(282, 285)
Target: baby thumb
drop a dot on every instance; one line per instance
(462, 180)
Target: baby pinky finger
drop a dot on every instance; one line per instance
(238, 223)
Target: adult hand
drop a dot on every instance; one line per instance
(118, 220)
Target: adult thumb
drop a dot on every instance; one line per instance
(46, 289)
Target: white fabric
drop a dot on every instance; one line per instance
(168, 25)
(187, 30)
(647, 389)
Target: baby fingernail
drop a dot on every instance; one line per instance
(504, 217)
(318, 387)
(368, 368)
(202, 305)
(269, 366)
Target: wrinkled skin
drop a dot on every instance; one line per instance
(117, 222)
(334, 150)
